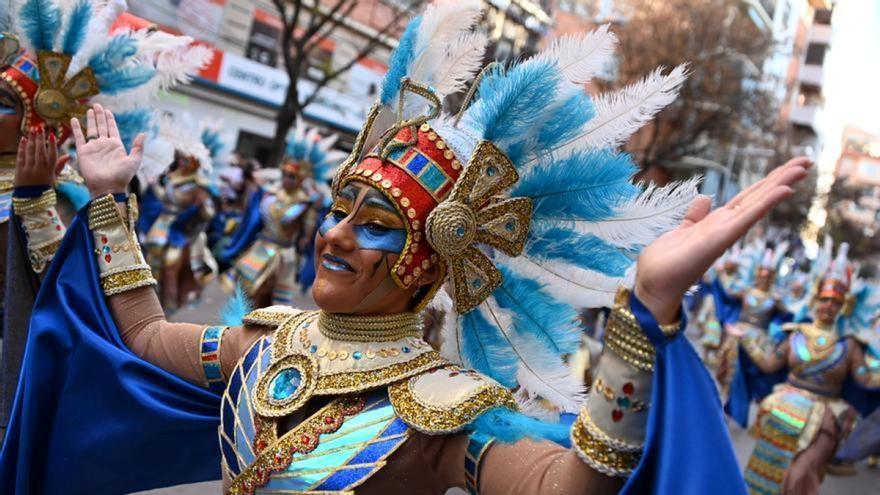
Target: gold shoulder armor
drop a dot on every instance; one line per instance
(791, 327)
(445, 400)
(271, 316)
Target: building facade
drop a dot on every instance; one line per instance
(244, 86)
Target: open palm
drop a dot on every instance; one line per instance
(103, 161)
(673, 262)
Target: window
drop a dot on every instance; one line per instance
(816, 53)
(822, 17)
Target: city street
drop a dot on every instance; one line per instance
(866, 482)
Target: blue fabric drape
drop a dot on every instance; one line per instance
(150, 208)
(89, 416)
(248, 230)
(687, 446)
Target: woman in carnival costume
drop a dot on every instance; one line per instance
(518, 211)
(270, 244)
(177, 211)
(806, 419)
(759, 311)
(54, 61)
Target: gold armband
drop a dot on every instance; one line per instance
(120, 260)
(610, 430)
(42, 226)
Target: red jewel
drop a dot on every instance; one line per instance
(453, 373)
(49, 213)
(261, 444)
(616, 415)
(628, 388)
(304, 439)
(278, 457)
(103, 239)
(57, 227)
(107, 258)
(328, 420)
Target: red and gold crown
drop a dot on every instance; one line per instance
(418, 174)
(834, 286)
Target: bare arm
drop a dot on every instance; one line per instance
(767, 357)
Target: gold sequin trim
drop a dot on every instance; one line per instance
(41, 256)
(357, 381)
(115, 283)
(436, 420)
(601, 456)
(268, 317)
(104, 213)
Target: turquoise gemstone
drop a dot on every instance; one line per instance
(459, 232)
(405, 350)
(490, 171)
(477, 283)
(623, 402)
(313, 349)
(106, 249)
(285, 384)
(357, 354)
(510, 226)
(821, 340)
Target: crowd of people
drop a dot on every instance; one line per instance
(455, 256)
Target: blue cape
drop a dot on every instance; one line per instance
(688, 450)
(247, 231)
(150, 208)
(89, 416)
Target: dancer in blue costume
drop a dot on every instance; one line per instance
(518, 211)
(760, 313)
(804, 421)
(270, 246)
(53, 60)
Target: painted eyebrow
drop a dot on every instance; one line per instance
(350, 192)
(375, 198)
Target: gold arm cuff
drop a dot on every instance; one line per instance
(30, 206)
(626, 338)
(599, 452)
(127, 279)
(41, 256)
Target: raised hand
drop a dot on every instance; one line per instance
(37, 162)
(103, 161)
(673, 262)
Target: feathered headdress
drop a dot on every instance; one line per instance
(308, 152)
(61, 57)
(520, 199)
(183, 135)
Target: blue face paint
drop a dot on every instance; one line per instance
(7, 110)
(369, 236)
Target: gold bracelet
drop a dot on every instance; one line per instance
(626, 338)
(600, 455)
(127, 279)
(30, 206)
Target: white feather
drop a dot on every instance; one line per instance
(637, 223)
(462, 60)
(623, 112)
(575, 286)
(581, 56)
(158, 155)
(450, 347)
(103, 16)
(443, 22)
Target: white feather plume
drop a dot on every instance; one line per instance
(636, 224)
(450, 347)
(158, 155)
(575, 286)
(581, 56)
(623, 112)
(463, 59)
(443, 22)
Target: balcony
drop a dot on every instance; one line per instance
(812, 75)
(820, 33)
(805, 116)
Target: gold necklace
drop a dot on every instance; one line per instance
(377, 328)
(820, 340)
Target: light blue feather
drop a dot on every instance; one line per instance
(398, 66)
(562, 122)
(77, 27)
(212, 140)
(5, 18)
(485, 349)
(40, 20)
(236, 308)
(112, 70)
(537, 313)
(77, 194)
(583, 250)
(510, 426)
(511, 104)
(296, 149)
(134, 122)
(587, 185)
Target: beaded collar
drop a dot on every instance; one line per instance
(346, 360)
